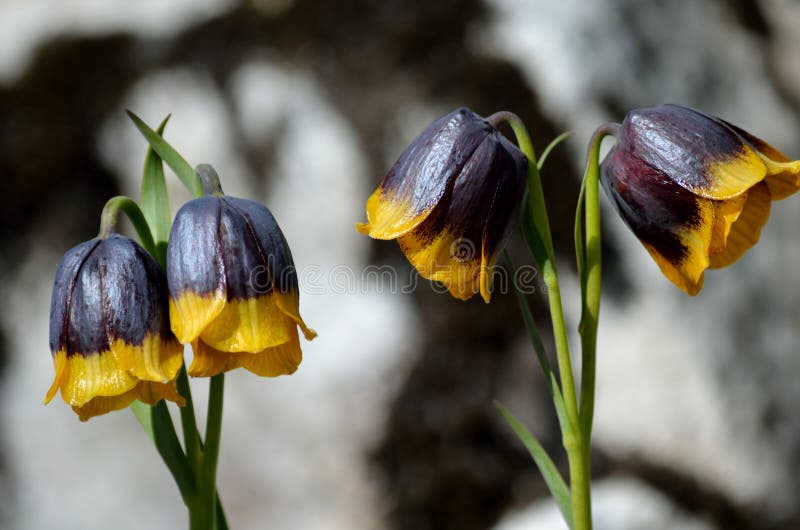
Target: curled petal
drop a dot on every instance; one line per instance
(783, 174)
(745, 231)
(289, 303)
(145, 391)
(282, 359)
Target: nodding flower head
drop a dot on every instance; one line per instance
(693, 188)
(233, 291)
(109, 332)
(448, 200)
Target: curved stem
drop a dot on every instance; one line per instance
(535, 210)
(110, 217)
(210, 179)
(591, 278)
(536, 227)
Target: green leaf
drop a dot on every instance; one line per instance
(169, 155)
(144, 415)
(552, 145)
(157, 424)
(155, 199)
(533, 332)
(558, 402)
(555, 483)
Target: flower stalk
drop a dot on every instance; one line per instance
(536, 227)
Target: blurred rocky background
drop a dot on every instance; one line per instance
(388, 424)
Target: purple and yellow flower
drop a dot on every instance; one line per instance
(448, 200)
(233, 291)
(109, 332)
(695, 189)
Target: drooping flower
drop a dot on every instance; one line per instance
(109, 333)
(233, 287)
(448, 200)
(693, 188)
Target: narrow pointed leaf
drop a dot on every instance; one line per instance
(552, 145)
(533, 332)
(555, 483)
(155, 199)
(169, 155)
(157, 424)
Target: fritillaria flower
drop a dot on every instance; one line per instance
(109, 333)
(695, 189)
(448, 200)
(233, 291)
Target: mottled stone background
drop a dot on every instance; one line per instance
(388, 424)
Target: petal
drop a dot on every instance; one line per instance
(104, 404)
(208, 362)
(248, 325)
(156, 359)
(67, 273)
(151, 393)
(783, 174)
(195, 268)
(60, 366)
(190, 313)
(445, 247)
(725, 215)
(420, 178)
(506, 196)
(674, 225)
(146, 392)
(270, 244)
(746, 230)
(85, 377)
(134, 291)
(272, 362)
(697, 151)
(86, 324)
(289, 303)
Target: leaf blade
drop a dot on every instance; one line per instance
(169, 155)
(555, 483)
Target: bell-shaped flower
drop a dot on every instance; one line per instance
(693, 188)
(109, 333)
(448, 200)
(232, 286)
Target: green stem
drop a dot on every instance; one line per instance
(191, 438)
(110, 217)
(157, 423)
(591, 279)
(536, 227)
(545, 255)
(207, 495)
